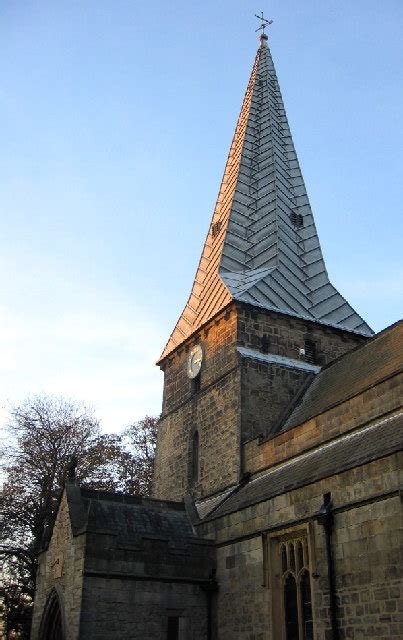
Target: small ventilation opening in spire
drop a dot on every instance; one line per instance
(297, 219)
(216, 228)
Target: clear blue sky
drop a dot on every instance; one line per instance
(116, 122)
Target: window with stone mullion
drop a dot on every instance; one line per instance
(296, 590)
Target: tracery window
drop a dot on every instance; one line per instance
(296, 589)
(288, 576)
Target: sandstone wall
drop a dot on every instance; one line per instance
(367, 551)
(380, 400)
(239, 398)
(266, 393)
(284, 335)
(213, 410)
(118, 608)
(61, 567)
(268, 390)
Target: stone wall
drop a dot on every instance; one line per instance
(61, 567)
(214, 411)
(120, 608)
(239, 398)
(284, 335)
(268, 390)
(367, 552)
(139, 563)
(381, 399)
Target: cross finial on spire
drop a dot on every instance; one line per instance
(264, 23)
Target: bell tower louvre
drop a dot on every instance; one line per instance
(262, 316)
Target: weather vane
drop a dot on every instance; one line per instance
(264, 21)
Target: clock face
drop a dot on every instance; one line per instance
(195, 361)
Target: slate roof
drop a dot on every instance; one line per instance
(138, 538)
(133, 519)
(206, 505)
(130, 518)
(353, 449)
(351, 374)
(262, 246)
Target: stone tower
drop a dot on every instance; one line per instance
(262, 316)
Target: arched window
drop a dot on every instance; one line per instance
(195, 456)
(284, 562)
(306, 606)
(52, 623)
(292, 556)
(297, 618)
(300, 555)
(291, 608)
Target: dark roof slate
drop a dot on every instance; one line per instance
(353, 449)
(133, 520)
(129, 518)
(351, 374)
(140, 538)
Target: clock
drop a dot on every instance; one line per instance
(195, 360)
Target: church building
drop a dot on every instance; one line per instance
(277, 505)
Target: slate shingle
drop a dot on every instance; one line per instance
(379, 440)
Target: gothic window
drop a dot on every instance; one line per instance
(298, 623)
(284, 563)
(195, 456)
(51, 624)
(288, 576)
(290, 608)
(306, 606)
(291, 554)
(300, 555)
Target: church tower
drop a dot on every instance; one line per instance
(262, 317)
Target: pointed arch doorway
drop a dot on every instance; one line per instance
(52, 627)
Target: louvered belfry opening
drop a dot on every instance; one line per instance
(310, 351)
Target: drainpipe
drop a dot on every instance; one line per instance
(325, 519)
(209, 614)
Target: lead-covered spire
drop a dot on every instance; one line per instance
(262, 246)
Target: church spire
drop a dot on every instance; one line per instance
(262, 247)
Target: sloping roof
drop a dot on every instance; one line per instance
(206, 505)
(262, 246)
(352, 449)
(129, 518)
(133, 518)
(351, 374)
(138, 538)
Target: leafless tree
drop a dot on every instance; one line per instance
(140, 440)
(44, 432)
